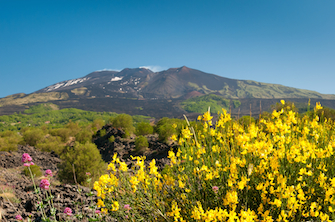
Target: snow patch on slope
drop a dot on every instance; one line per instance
(65, 83)
(116, 79)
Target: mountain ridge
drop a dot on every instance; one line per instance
(178, 82)
(140, 91)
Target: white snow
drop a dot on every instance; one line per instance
(66, 83)
(116, 79)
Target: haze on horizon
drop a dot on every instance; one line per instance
(280, 41)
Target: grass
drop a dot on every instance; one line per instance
(8, 193)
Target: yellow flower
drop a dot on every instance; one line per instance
(207, 116)
(318, 106)
(115, 206)
(123, 166)
(174, 137)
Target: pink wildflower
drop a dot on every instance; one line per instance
(26, 158)
(18, 217)
(127, 207)
(97, 211)
(26, 164)
(31, 163)
(48, 172)
(88, 174)
(215, 189)
(44, 184)
(68, 211)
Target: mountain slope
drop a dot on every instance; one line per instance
(143, 92)
(174, 83)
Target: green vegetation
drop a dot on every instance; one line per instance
(200, 104)
(48, 115)
(32, 136)
(125, 122)
(111, 139)
(36, 171)
(141, 144)
(236, 103)
(143, 128)
(9, 140)
(83, 158)
(167, 127)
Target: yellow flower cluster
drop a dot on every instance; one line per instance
(280, 168)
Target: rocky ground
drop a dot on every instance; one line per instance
(16, 190)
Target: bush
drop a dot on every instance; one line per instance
(165, 132)
(51, 143)
(144, 128)
(33, 136)
(111, 139)
(141, 144)
(85, 158)
(125, 122)
(102, 132)
(236, 103)
(97, 124)
(84, 136)
(246, 120)
(9, 141)
(63, 133)
(36, 170)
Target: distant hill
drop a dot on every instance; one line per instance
(140, 89)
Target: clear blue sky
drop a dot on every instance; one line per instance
(274, 41)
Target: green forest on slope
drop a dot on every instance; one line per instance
(216, 103)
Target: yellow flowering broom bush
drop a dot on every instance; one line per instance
(278, 169)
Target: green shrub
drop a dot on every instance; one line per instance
(73, 127)
(85, 158)
(165, 132)
(102, 132)
(84, 136)
(9, 141)
(236, 103)
(51, 143)
(63, 133)
(246, 120)
(141, 144)
(97, 124)
(166, 127)
(126, 134)
(33, 136)
(36, 170)
(125, 122)
(111, 139)
(144, 128)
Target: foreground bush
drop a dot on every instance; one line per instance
(281, 169)
(83, 158)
